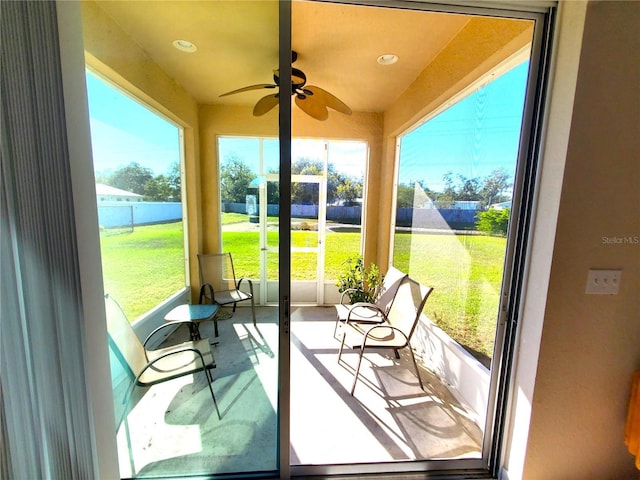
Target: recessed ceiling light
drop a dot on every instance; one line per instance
(387, 59)
(185, 46)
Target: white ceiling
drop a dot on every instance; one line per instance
(237, 44)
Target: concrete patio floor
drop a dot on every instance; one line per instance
(174, 429)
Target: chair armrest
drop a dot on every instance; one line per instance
(248, 281)
(177, 323)
(346, 292)
(165, 355)
(203, 292)
(366, 307)
(368, 332)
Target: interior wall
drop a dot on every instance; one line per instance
(591, 343)
(113, 54)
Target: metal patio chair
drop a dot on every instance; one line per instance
(150, 367)
(395, 331)
(369, 312)
(218, 282)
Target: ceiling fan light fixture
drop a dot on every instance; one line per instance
(185, 46)
(387, 59)
(312, 100)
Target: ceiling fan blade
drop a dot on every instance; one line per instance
(250, 87)
(329, 99)
(265, 104)
(313, 106)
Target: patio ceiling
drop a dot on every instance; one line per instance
(337, 46)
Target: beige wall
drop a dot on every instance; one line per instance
(591, 343)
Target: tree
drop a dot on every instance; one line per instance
(174, 179)
(334, 180)
(414, 193)
(494, 186)
(103, 176)
(449, 191)
(493, 221)
(131, 178)
(158, 189)
(462, 188)
(469, 189)
(273, 190)
(306, 193)
(349, 191)
(404, 196)
(235, 177)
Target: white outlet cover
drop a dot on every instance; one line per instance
(603, 282)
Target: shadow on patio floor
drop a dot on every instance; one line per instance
(173, 429)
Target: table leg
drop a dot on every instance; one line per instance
(194, 331)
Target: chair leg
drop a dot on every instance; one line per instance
(415, 364)
(344, 335)
(338, 325)
(355, 377)
(253, 311)
(209, 382)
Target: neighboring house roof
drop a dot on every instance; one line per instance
(102, 189)
(501, 205)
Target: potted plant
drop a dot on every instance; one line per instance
(361, 283)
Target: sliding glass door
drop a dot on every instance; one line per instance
(451, 96)
(163, 202)
(369, 82)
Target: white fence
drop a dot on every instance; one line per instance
(124, 214)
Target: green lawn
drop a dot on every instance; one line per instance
(146, 266)
(466, 273)
(246, 253)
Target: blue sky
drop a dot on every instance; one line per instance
(472, 138)
(123, 131)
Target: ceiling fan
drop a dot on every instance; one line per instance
(313, 100)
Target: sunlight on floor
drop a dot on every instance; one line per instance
(266, 369)
(149, 430)
(174, 430)
(389, 418)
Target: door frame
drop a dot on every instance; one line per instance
(516, 260)
(319, 249)
(105, 461)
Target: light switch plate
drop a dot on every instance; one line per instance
(603, 282)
